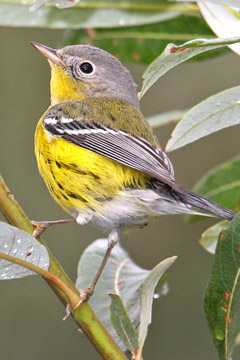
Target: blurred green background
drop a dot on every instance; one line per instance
(31, 315)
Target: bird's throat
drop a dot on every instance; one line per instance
(64, 87)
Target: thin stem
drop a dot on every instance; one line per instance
(73, 298)
(10, 208)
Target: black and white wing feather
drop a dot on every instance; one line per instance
(135, 152)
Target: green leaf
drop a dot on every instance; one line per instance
(223, 20)
(213, 114)
(209, 237)
(221, 302)
(165, 118)
(19, 14)
(225, 2)
(147, 295)
(176, 54)
(130, 5)
(17, 243)
(142, 44)
(221, 185)
(120, 275)
(122, 323)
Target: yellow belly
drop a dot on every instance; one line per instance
(79, 178)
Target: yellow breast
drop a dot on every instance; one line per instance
(79, 178)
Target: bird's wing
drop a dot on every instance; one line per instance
(135, 152)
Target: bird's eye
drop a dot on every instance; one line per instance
(86, 68)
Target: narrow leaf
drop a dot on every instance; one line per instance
(130, 5)
(217, 112)
(221, 185)
(223, 20)
(143, 5)
(19, 14)
(225, 2)
(147, 294)
(209, 237)
(122, 323)
(221, 302)
(176, 54)
(121, 276)
(22, 245)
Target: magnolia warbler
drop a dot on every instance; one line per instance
(96, 152)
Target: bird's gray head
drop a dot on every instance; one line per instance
(89, 72)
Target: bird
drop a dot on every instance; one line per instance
(97, 153)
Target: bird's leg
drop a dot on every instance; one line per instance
(41, 226)
(113, 239)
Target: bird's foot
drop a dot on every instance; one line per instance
(41, 226)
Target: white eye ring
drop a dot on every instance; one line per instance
(87, 68)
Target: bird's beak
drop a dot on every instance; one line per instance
(49, 53)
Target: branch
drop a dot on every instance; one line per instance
(83, 314)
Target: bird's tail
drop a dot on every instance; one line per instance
(201, 203)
